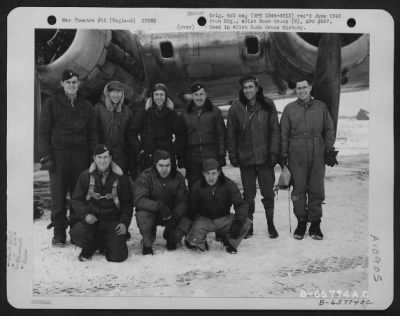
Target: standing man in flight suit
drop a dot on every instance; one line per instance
(67, 137)
(308, 136)
(253, 145)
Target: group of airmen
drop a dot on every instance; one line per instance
(111, 159)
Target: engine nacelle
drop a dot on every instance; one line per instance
(98, 56)
(294, 55)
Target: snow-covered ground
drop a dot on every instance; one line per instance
(262, 268)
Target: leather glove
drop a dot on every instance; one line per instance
(221, 161)
(330, 157)
(272, 160)
(47, 163)
(284, 161)
(165, 212)
(234, 162)
(236, 228)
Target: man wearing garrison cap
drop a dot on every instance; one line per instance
(254, 146)
(205, 133)
(67, 137)
(161, 200)
(103, 204)
(210, 202)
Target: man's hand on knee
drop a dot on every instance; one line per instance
(91, 219)
(120, 229)
(165, 211)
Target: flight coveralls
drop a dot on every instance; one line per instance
(252, 137)
(205, 138)
(111, 203)
(307, 131)
(210, 210)
(67, 134)
(150, 192)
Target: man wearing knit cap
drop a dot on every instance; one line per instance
(103, 203)
(205, 133)
(211, 199)
(159, 127)
(254, 146)
(161, 200)
(115, 127)
(67, 137)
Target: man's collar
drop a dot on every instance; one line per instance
(113, 167)
(254, 101)
(256, 106)
(199, 108)
(305, 103)
(70, 97)
(105, 172)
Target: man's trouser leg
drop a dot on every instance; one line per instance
(194, 167)
(223, 225)
(146, 160)
(316, 191)
(146, 222)
(266, 180)
(131, 186)
(58, 201)
(121, 161)
(299, 177)
(198, 233)
(115, 247)
(59, 180)
(248, 175)
(85, 235)
(79, 161)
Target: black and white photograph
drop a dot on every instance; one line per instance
(227, 162)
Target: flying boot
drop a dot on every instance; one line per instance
(85, 255)
(315, 230)
(272, 232)
(300, 230)
(59, 237)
